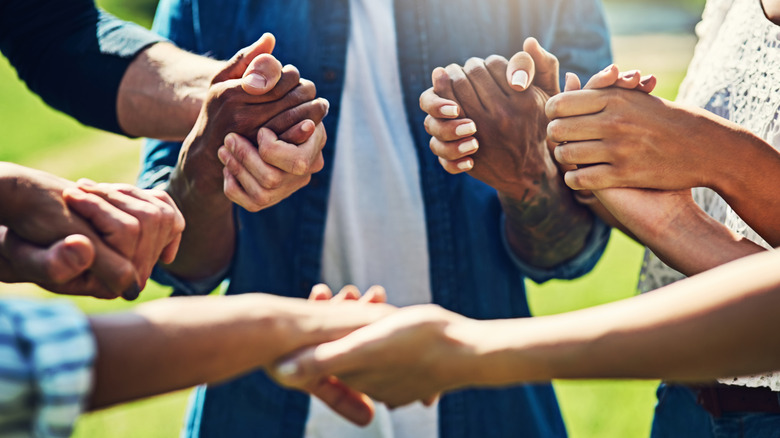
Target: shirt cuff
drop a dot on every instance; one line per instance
(189, 288)
(58, 347)
(575, 267)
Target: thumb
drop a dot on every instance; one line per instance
(572, 82)
(262, 74)
(547, 67)
(520, 71)
(237, 65)
(57, 264)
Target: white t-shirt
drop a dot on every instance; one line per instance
(375, 230)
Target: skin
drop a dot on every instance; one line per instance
(114, 231)
(152, 349)
(475, 106)
(722, 322)
(255, 178)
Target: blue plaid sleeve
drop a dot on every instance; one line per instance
(46, 355)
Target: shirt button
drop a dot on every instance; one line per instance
(330, 75)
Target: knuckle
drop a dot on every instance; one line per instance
(300, 166)
(272, 180)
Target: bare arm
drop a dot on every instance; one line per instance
(720, 323)
(162, 91)
(181, 342)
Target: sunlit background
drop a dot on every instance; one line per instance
(654, 36)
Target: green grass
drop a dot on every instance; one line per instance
(37, 136)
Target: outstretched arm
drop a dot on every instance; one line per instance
(716, 324)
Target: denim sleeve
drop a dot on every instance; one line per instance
(576, 267)
(581, 40)
(72, 55)
(45, 367)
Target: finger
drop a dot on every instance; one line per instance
(572, 82)
(589, 178)
(450, 130)
(314, 110)
(254, 190)
(647, 84)
(350, 404)
(118, 228)
(438, 107)
(546, 67)
(576, 103)
(520, 71)
(482, 81)
(294, 159)
(320, 292)
(576, 128)
(463, 90)
(457, 166)
(497, 67)
(237, 65)
(442, 85)
(603, 79)
(374, 294)
(299, 133)
(57, 264)
(582, 153)
(347, 293)
(262, 75)
(454, 150)
(628, 80)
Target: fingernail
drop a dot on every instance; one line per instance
(630, 74)
(520, 78)
(468, 146)
(256, 80)
(608, 68)
(287, 368)
(307, 127)
(466, 129)
(222, 154)
(86, 182)
(230, 142)
(465, 165)
(449, 110)
(132, 292)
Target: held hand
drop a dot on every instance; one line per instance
(414, 354)
(626, 138)
(257, 177)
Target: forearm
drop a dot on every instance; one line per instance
(747, 177)
(181, 342)
(718, 324)
(545, 225)
(162, 92)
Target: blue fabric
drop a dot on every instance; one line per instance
(71, 54)
(279, 249)
(46, 355)
(678, 415)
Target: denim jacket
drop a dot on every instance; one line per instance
(279, 249)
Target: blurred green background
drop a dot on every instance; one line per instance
(654, 36)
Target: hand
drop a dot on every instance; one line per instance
(43, 211)
(626, 138)
(257, 177)
(352, 405)
(253, 90)
(413, 354)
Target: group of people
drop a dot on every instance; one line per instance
(279, 177)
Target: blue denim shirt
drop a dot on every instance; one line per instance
(279, 249)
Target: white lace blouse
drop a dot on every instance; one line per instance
(735, 73)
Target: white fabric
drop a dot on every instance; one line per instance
(735, 73)
(375, 230)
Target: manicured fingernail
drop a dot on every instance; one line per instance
(287, 368)
(466, 129)
(449, 110)
(465, 165)
(468, 146)
(256, 80)
(520, 78)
